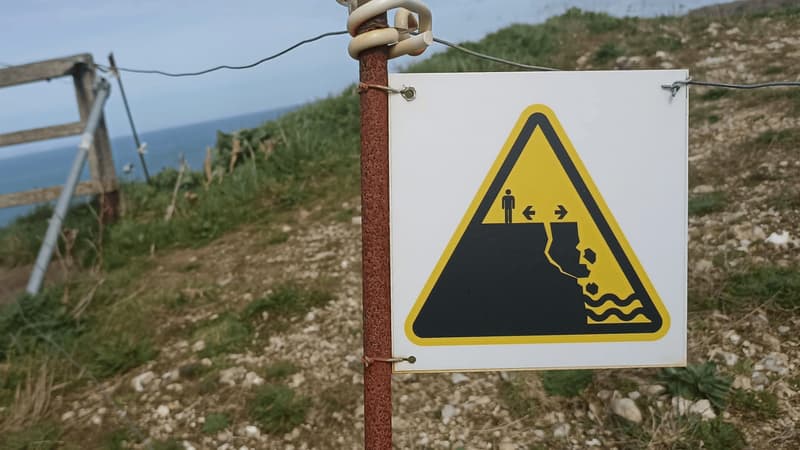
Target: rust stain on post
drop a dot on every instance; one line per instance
(375, 242)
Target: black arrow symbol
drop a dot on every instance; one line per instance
(529, 212)
(561, 212)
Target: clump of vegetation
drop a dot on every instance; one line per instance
(566, 383)
(168, 444)
(193, 371)
(697, 381)
(759, 405)
(516, 399)
(712, 435)
(280, 370)
(714, 94)
(780, 137)
(780, 284)
(42, 436)
(606, 53)
(215, 422)
(341, 398)
(286, 301)
(30, 322)
(703, 204)
(120, 353)
(277, 408)
(222, 334)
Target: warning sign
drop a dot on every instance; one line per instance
(538, 222)
(538, 256)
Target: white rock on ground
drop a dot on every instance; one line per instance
(506, 444)
(199, 346)
(140, 381)
(448, 412)
(231, 375)
(653, 390)
(252, 379)
(776, 362)
(627, 409)
(681, 405)
(704, 409)
(162, 411)
(561, 430)
(779, 239)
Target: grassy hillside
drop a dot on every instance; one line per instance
(243, 309)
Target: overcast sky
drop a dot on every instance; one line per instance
(182, 35)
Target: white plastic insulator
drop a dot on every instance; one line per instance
(400, 38)
(371, 39)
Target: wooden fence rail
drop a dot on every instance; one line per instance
(101, 164)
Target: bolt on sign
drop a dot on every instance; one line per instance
(539, 220)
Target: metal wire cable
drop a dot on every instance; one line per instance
(491, 58)
(735, 86)
(213, 69)
(673, 86)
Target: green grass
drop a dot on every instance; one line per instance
(277, 408)
(756, 405)
(712, 435)
(280, 370)
(42, 436)
(566, 383)
(286, 300)
(714, 94)
(193, 371)
(222, 334)
(168, 444)
(789, 137)
(108, 343)
(784, 200)
(116, 439)
(703, 204)
(607, 52)
(772, 96)
(30, 323)
(516, 399)
(215, 422)
(757, 285)
(341, 398)
(118, 354)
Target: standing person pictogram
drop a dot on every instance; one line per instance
(508, 205)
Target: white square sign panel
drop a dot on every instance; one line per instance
(538, 220)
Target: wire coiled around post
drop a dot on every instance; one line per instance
(400, 38)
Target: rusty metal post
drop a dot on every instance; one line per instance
(375, 242)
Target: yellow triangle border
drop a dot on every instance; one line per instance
(471, 211)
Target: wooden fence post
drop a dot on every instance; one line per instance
(101, 162)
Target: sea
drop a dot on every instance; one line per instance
(47, 168)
